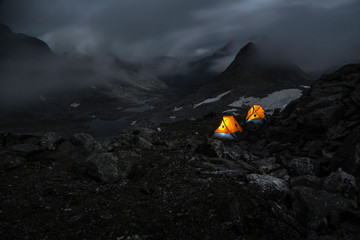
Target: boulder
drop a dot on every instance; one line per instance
(229, 211)
(342, 183)
(306, 181)
(9, 161)
(87, 142)
(26, 149)
(2, 138)
(319, 225)
(319, 204)
(50, 140)
(340, 131)
(110, 167)
(211, 148)
(146, 132)
(322, 118)
(280, 173)
(266, 165)
(142, 143)
(67, 148)
(192, 143)
(300, 166)
(126, 141)
(287, 218)
(355, 95)
(267, 183)
(217, 146)
(347, 155)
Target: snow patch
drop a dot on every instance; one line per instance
(278, 99)
(74, 105)
(177, 109)
(133, 123)
(211, 100)
(172, 117)
(230, 110)
(303, 86)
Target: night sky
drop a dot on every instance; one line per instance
(315, 34)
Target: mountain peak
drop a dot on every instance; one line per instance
(248, 52)
(4, 29)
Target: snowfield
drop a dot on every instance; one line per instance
(74, 105)
(211, 100)
(278, 99)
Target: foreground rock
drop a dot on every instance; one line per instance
(110, 167)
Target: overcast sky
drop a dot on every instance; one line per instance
(315, 33)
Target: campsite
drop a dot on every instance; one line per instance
(131, 120)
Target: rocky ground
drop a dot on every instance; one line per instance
(294, 179)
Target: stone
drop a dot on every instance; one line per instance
(320, 225)
(26, 149)
(306, 181)
(322, 204)
(322, 118)
(87, 142)
(342, 183)
(313, 148)
(111, 167)
(347, 155)
(67, 148)
(9, 161)
(142, 143)
(280, 173)
(266, 165)
(50, 140)
(2, 138)
(192, 143)
(267, 183)
(300, 166)
(229, 211)
(355, 95)
(288, 219)
(146, 132)
(340, 131)
(217, 146)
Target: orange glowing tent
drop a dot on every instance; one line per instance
(229, 129)
(256, 114)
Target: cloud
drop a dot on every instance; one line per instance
(316, 34)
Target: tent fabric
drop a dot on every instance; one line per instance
(256, 114)
(229, 128)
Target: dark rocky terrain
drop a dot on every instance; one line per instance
(297, 178)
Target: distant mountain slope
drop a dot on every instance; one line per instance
(29, 69)
(267, 72)
(254, 72)
(18, 46)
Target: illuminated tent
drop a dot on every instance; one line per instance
(256, 114)
(229, 129)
